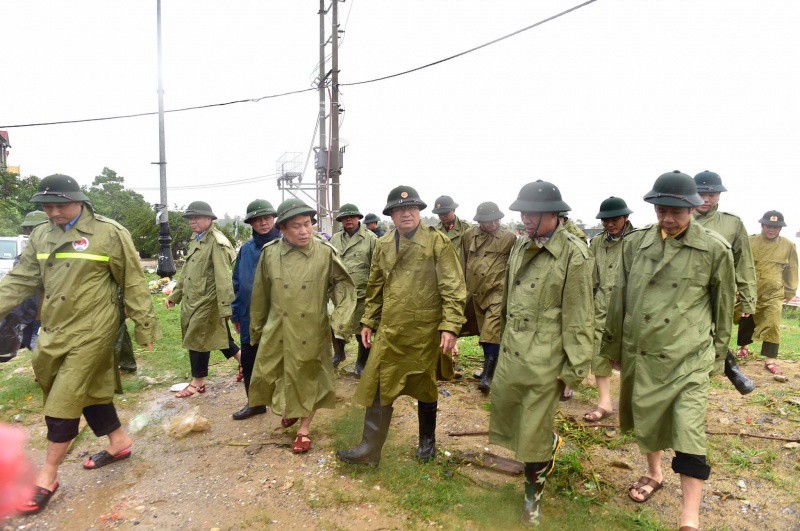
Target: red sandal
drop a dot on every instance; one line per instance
(39, 500)
(773, 367)
(186, 393)
(300, 446)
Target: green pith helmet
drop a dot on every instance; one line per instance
(199, 208)
(519, 226)
(563, 214)
(613, 207)
(37, 217)
(292, 208)
(444, 204)
(58, 189)
(348, 209)
(403, 196)
(674, 189)
(371, 218)
(772, 218)
(708, 181)
(258, 208)
(488, 211)
(539, 196)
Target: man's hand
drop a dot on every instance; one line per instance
(366, 337)
(448, 342)
(168, 303)
(237, 327)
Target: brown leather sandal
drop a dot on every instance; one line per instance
(186, 393)
(639, 486)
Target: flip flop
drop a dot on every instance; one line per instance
(300, 446)
(41, 497)
(603, 414)
(773, 368)
(642, 482)
(103, 458)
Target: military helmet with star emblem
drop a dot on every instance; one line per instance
(403, 196)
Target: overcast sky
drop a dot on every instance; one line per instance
(599, 102)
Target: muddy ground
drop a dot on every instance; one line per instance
(242, 475)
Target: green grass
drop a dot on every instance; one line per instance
(440, 493)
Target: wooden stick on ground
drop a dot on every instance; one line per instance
(753, 435)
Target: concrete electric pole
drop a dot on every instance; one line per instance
(166, 265)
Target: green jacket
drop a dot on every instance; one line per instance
(205, 292)
(289, 321)
(355, 252)
(80, 272)
(547, 341)
(668, 324)
(732, 229)
(606, 254)
(413, 294)
(455, 234)
(574, 230)
(486, 257)
(776, 271)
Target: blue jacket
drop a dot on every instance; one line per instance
(243, 276)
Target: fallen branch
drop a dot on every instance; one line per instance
(753, 435)
(770, 437)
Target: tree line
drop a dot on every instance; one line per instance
(110, 198)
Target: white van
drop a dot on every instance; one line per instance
(10, 248)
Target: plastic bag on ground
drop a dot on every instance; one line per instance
(180, 426)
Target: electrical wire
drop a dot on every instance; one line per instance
(300, 91)
(474, 49)
(248, 180)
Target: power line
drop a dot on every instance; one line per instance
(248, 180)
(300, 91)
(465, 52)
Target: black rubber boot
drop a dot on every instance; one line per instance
(740, 381)
(426, 412)
(338, 351)
(491, 352)
(535, 478)
(246, 412)
(376, 428)
(361, 361)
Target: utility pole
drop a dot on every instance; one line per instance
(335, 167)
(166, 265)
(322, 162)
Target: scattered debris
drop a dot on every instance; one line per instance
(493, 462)
(181, 426)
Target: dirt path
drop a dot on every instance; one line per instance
(242, 475)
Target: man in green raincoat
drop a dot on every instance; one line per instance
(205, 293)
(668, 325)
(80, 260)
(776, 273)
(415, 306)
(355, 244)
(730, 227)
(293, 373)
(606, 249)
(454, 228)
(486, 249)
(547, 338)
